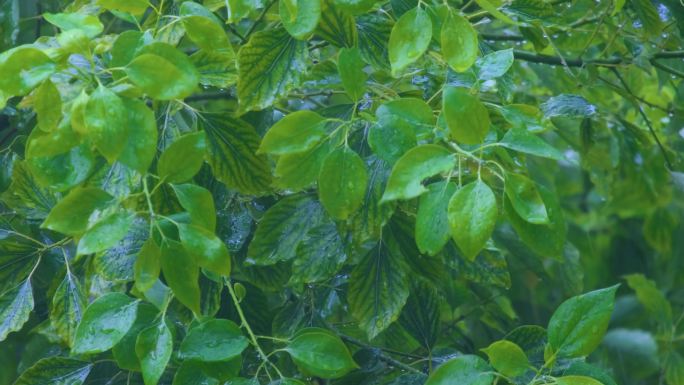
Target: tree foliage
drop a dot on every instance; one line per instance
(289, 192)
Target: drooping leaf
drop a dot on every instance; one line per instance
(320, 353)
(181, 273)
(525, 199)
(213, 340)
(578, 325)
(153, 347)
(472, 216)
(410, 38)
(342, 182)
(105, 322)
(48, 106)
(459, 42)
(147, 265)
(432, 222)
(465, 115)
(141, 142)
(419, 163)
(350, 67)
(106, 122)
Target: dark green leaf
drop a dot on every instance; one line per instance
(342, 182)
(321, 353)
(213, 340)
(577, 327)
(183, 158)
(199, 203)
(67, 307)
(350, 66)
(181, 273)
(15, 307)
(56, 371)
(472, 216)
(432, 222)
(105, 322)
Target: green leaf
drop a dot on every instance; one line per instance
(465, 115)
(216, 68)
(547, 239)
(64, 171)
(337, 26)
(48, 106)
(432, 222)
(23, 68)
(521, 140)
(134, 7)
(350, 67)
(301, 21)
(294, 133)
(399, 122)
(15, 307)
(651, 298)
(190, 373)
(463, 370)
(231, 152)
(181, 274)
(523, 117)
(213, 340)
(89, 24)
(106, 121)
(495, 64)
(419, 163)
(632, 351)
(147, 265)
(355, 6)
(300, 170)
(342, 182)
(153, 347)
(567, 106)
(203, 27)
(649, 17)
(117, 263)
(124, 351)
(163, 72)
(141, 142)
(577, 327)
(66, 309)
(507, 358)
(577, 380)
(282, 227)
(183, 158)
(199, 203)
(320, 353)
(459, 42)
(25, 196)
(106, 232)
(56, 371)
(674, 369)
(209, 250)
(374, 32)
(105, 322)
(269, 66)
(525, 199)
(319, 255)
(379, 287)
(494, 11)
(72, 214)
(420, 317)
(410, 38)
(472, 217)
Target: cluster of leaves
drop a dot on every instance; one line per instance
(341, 192)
